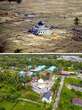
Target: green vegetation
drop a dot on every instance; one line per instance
(55, 87)
(73, 81)
(67, 96)
(20, 106)
(54, 90)
(22, 61)
(11, 89)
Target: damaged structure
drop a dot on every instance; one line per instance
(41, 29)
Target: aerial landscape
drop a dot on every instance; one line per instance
(41, 26)
(40, 60)
(40, 82)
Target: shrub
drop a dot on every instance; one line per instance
(2, 108)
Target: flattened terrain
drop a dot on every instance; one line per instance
(14, 24)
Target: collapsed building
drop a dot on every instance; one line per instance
(41, 29)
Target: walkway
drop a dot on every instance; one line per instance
(28, 100)
(57, 100)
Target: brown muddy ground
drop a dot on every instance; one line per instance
(14, 25)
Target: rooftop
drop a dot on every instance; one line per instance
(47, 95)
(38, 68)
(52, 68)
(77, 101)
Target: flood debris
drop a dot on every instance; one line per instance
(18, 50)
(41, 29)
(77, 33)
(18, 1)
(76, 21)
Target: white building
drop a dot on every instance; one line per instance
(41, 84)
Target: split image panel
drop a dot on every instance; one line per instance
(40, 82)
(35, 26)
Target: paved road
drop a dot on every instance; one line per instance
(57, 100)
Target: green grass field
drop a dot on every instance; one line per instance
(20, 106)
(12, 102)
(67, 96)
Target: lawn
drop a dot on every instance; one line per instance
(20, 106)
(67, 96)
(73, 81)
(27, 106)
(32, 96)
(7, 105)
(10, 104)
(8, 90)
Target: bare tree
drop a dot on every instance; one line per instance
(76, 21)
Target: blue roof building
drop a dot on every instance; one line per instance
(47, 97)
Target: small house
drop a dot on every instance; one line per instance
(77, 101)
(65, 73)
